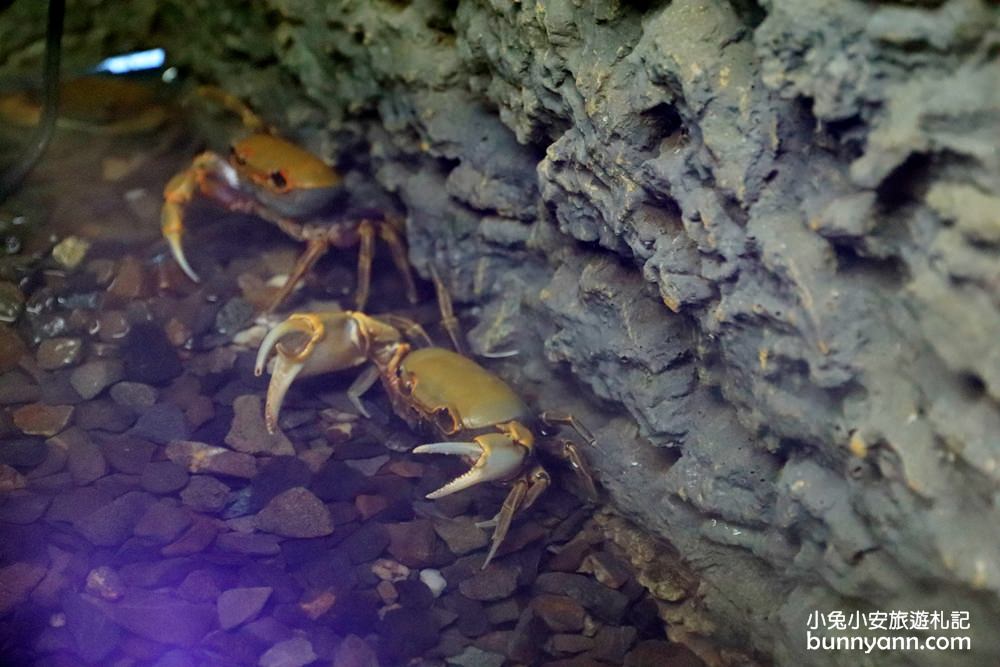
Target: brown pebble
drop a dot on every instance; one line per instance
(387, 592)
(370, 505)
(295, 513)
(494, 583)
(41, 419)
(11, 479)
(12, 348)
(112, 326)
(559, 612)
(130, 282)
(318, 604)
(105, 583)
(177, 332)
(56, 353)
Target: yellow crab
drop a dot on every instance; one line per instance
(288, 186)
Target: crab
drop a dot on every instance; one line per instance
(477, 415)
(286, 185)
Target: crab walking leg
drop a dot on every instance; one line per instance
(366, 255)
(496, 458)
(179, 191)
(398, 251)
(315, 249)
(361, 384)
(448, 319)
(523, 495)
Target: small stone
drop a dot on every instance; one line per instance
(128, 454)
(612, 642)
(559, 612)
(316, 606)
(41, 419)
(162, 423)
(85, 461)
(414, 543)
(294, 652)
(434, 581)
(93, 377)
(235, 315)
(368, 467)
(163, 521)
(354, 652)
(461, 534)
(11, 479)
(200, 410)
(77, 503)
(12, 348)
(103, 415)
(248, 432)
(134, 394)
(567, 643)
(205, 494)
(22, 452)
(178, 333)
(18, 387)
(476, 657)
(404, 468)
(200, 586)
(11, 302)
(370, 505)
(605, 603)
(414, 594)
(239, 605)
(56, 353)
(95, 635)
(113, 325)
(112, 524)
(200, 457)
(494, 583)
(105, 583)
(70, 251)
(23, 508)
(149, 357)
(16, 582)
(525, 640)
(506, 611)
(195, 539)
(161, 477)
(387, 592)
(367, 543)
(254, 544)
(159, 616)
(219, 360)
(607, 569)
(130, 282)
(295, 513)
(390, 570)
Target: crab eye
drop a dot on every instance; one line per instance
(278, 179)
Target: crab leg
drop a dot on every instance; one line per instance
(523, 495)
(496, 458)
(315, 249)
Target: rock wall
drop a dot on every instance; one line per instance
(764, 238)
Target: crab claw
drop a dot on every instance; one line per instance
(496, 457)
(287, 365)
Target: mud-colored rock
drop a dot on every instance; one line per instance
(295, 513)
(56, 353)
(41, 419)
(239, 605)
(248, 432)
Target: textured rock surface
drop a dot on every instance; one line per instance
(764, 236)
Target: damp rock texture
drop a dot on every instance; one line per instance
(764, 237)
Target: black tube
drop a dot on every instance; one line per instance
(13, 178)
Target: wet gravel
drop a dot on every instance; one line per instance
(147, 518)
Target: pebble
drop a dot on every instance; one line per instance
(605, 603)
(59, 352)
(255, 544)
(354, 652)
(476, 657)
(18, 581)
(112, 325)
(234, 316)
(434, 581)
(205, 494)
(95, 635)
(236, 606)
(162, 423)
(200, 457)
(93, 377)
(177, 332)
(159, 616)
(414, 543)
(370, 505)
(461, 534)
(295, 513)
(12, 348)
(494, 583)
(161, 477)
(294, 652)
(41, 419)
(149, 357)
(248, 432)
(163, 521)
(112, 524)
(11, 302)
(105, 583)
(103, 415)
(389, 570)
(130, 281)
(134, 394)
(22, 508)
(368, 467)
(559, 612)
(128, 454)
(85, 461)
(11, 479)
(70, 251)
(569, 643)
(612, 642)
(18, 387)
(195, 539)
(77, 503)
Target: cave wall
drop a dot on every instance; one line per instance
(763, 237)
